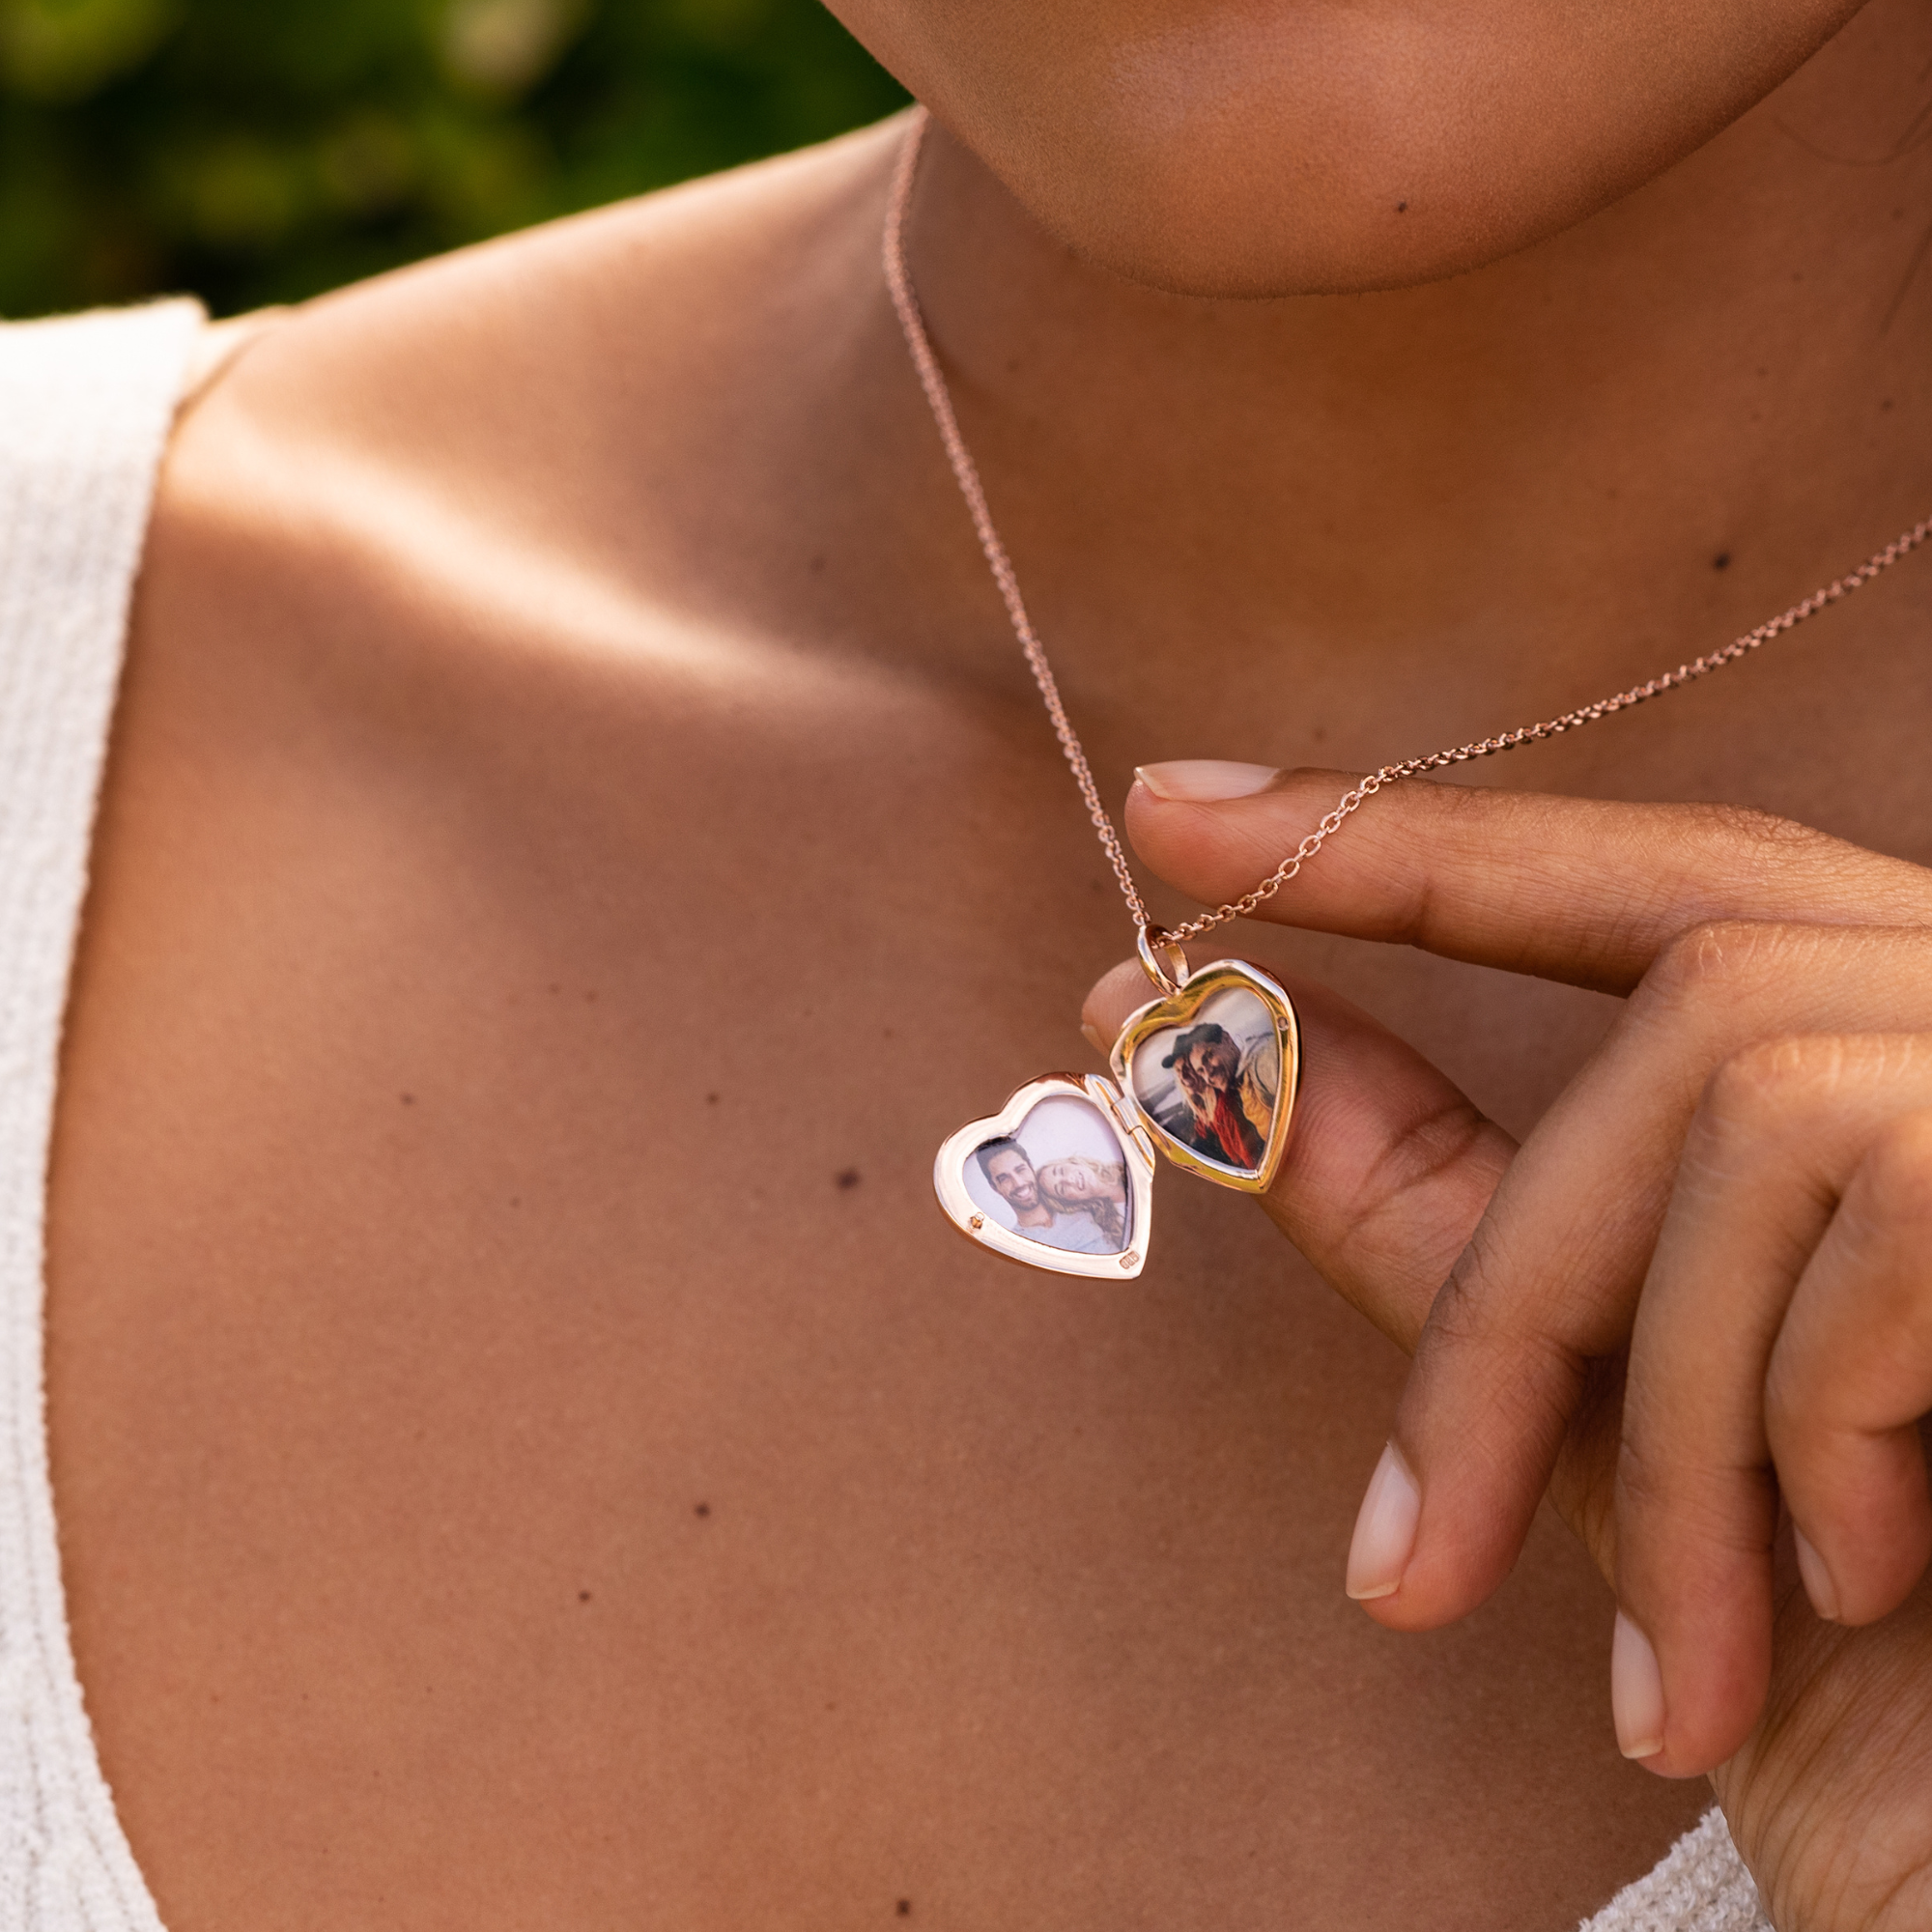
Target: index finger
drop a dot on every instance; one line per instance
(1587, 891)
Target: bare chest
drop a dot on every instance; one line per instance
(526, 1443)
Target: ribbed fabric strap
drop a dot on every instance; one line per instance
(85, 405)
(1700, 1886)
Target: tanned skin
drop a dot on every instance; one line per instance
(562, 823)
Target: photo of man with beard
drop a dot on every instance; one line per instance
(1057, 1222)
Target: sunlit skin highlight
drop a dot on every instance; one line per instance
(563, 683)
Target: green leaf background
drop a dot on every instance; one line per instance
(260, 151)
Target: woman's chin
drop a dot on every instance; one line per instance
(1250, 211)
(1235, 149)
(1351, 238)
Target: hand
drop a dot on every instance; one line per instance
(1726, 1212)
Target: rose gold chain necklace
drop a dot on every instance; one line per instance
(967, 474)
(1219, 1115)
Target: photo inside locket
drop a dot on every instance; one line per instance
(1058, 1178)
(1213, 1083)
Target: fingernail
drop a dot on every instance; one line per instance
(1203, 781)
(1636, 1691)
(1092, 1035)
(1385, 1530)
(1818, 1584)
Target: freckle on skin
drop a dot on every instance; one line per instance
(703, 1509)
(1401, 208)
(711, 1100)
(1722, 562)
(583, 1596)
(408, 1099)
(849, 1178)
(904, 1909)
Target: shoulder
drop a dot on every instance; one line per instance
(585, 439)
(599, 347)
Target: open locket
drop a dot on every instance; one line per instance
(1062, 1177)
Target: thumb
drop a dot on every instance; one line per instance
(1389, 1165)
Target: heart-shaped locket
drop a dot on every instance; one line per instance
(1060, 1178)
(1211, 1067)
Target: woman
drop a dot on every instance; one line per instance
(1197, 1100)
(520, 1459)
(1233, 1109)
(1076, 1183)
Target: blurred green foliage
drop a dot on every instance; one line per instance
(258, 151)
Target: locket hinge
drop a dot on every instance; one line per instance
(1128, 1122)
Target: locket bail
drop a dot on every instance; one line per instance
(1165, 962)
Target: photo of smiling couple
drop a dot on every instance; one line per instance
(1213, 1085)
(1060, 1180)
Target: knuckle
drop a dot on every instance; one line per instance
(1457, 1323)
(1764, 1080)
(1726, 970)
(1647, 1480)
(1465, 1314)
(1751, 836)
(1447, 1142)
(1478, 1342)
(1752, 857)
(1776, 1086)
(1718, 958)
(1716, 1507)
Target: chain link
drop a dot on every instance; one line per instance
(905, 302)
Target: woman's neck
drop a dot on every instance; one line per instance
(1716, 389)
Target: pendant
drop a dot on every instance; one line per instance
(1213, 1066)
(1060, 1178)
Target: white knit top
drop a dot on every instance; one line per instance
(85, 406)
